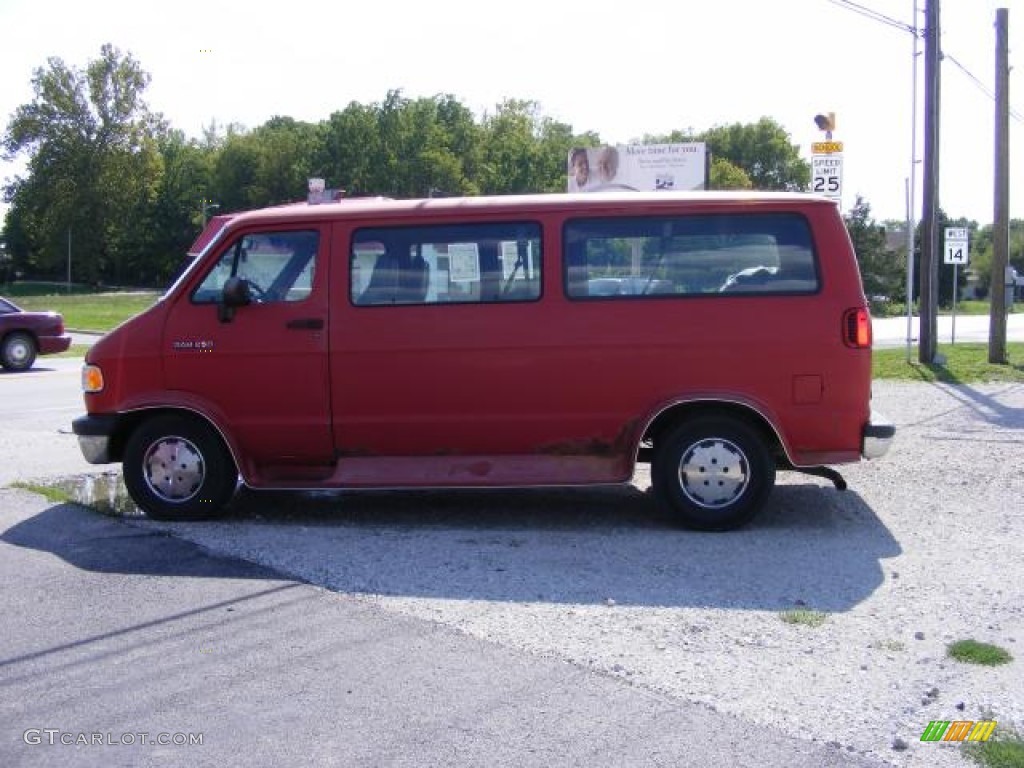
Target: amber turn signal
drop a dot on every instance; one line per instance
(92, 379)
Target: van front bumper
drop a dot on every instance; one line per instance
(877, 437)
(94, 437)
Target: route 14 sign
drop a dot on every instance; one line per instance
(955, 251)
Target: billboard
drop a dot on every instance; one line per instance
(638, 167)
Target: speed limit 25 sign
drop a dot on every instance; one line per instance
(827, 175)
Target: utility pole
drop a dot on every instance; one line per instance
(929, 277)
(1001, 220)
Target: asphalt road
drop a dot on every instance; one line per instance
(115, 634)
(36, 409)
(892, 331)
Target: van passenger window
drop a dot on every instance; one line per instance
(689, 255)
(446, 264)
(279, 266)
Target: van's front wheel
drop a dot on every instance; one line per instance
(713, 473)
(177, 468)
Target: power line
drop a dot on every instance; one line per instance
(980, 85)
(895, 23)
(875, 16)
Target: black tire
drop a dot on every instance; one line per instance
(712, 473)
(19, 351)
(178, 468)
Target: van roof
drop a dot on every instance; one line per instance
(634, 202)
(383, 207)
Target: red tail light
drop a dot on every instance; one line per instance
(857, 328)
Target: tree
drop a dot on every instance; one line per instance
(981, 253)
(235, 171)
(945, 288)
(175, 217)
(286, 151)
(92, 163)
(511, 162)
(418, 147)
(267, 166)
(881, 268)
(725, 175)
(403, 148)
(351, 146)
(464, 140)
(763, 150)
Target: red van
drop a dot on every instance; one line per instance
(475, 342)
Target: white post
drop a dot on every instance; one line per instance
(955, 292)
(911, 186)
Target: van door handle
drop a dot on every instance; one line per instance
(306, 324)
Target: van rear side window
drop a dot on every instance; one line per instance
(469, 263)
(689, 255)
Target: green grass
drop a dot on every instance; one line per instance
(51, 493)
(973, 652)
(804, 616)
(969, 307)
(965, 363)
(90, 312)
(75, 350)
(1004, 750)
(998, 754)
(899, 308)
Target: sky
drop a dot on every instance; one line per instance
(621, 69)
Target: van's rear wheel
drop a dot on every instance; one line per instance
(713, 473)
(177, 468)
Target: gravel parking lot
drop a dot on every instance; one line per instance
(924, 549)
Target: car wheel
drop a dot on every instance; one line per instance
(178, 468)
(713, 473)
(19, 352)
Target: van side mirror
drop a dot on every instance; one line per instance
(236, 293)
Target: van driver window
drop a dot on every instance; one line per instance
(278, 266)
(465, 263)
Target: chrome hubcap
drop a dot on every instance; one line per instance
(18, 351)
(174, 469)
(713, 473)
